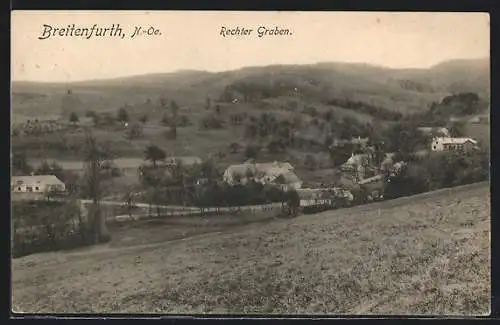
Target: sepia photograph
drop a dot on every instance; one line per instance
(250, 163)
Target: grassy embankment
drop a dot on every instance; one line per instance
(428, 254)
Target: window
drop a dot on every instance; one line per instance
(19, 188)
(36, 188)
(434, 147)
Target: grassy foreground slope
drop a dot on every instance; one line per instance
(428, 254)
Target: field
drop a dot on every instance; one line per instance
(428, 254)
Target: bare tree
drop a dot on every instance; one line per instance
(128, 197)
(94, 159)
(175, 108)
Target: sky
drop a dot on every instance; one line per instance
(192, 40)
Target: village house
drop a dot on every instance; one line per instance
(457, 144)
(36, 184)
(276, 173)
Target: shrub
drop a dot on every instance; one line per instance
(310, 162)
(252, 151)
(211, 122)
(47, 225)
(134, 131)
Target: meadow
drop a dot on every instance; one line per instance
(426, 254)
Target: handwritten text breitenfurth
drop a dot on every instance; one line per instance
(97, 31)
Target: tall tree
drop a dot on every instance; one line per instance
(20, 165)
(73, 118)
(154, 154)
(94, 159)
(234, 147)
(310, 162)
(208, 103)
(122, 115)
(143, 118)
(175, 109)
(134, 131)
(128, 198)
(457, 129)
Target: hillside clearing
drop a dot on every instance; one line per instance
(428, 254)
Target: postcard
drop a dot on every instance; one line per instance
(250, 163)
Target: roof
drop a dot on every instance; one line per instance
(455, 140)
(41, 179)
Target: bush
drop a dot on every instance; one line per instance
(40, 226)
(134, 131)
(310, 162)
(252, 151)
(170, 134)
(211, 122)
(183, 121)
(413, 179)
(239, 195)
(439, 170)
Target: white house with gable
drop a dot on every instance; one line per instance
(36, 184)
(450, 144)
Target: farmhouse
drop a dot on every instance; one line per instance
(279, 173)
(448, 144)
(36, 184)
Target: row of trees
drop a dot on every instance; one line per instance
(461, 104)
(362, 107)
